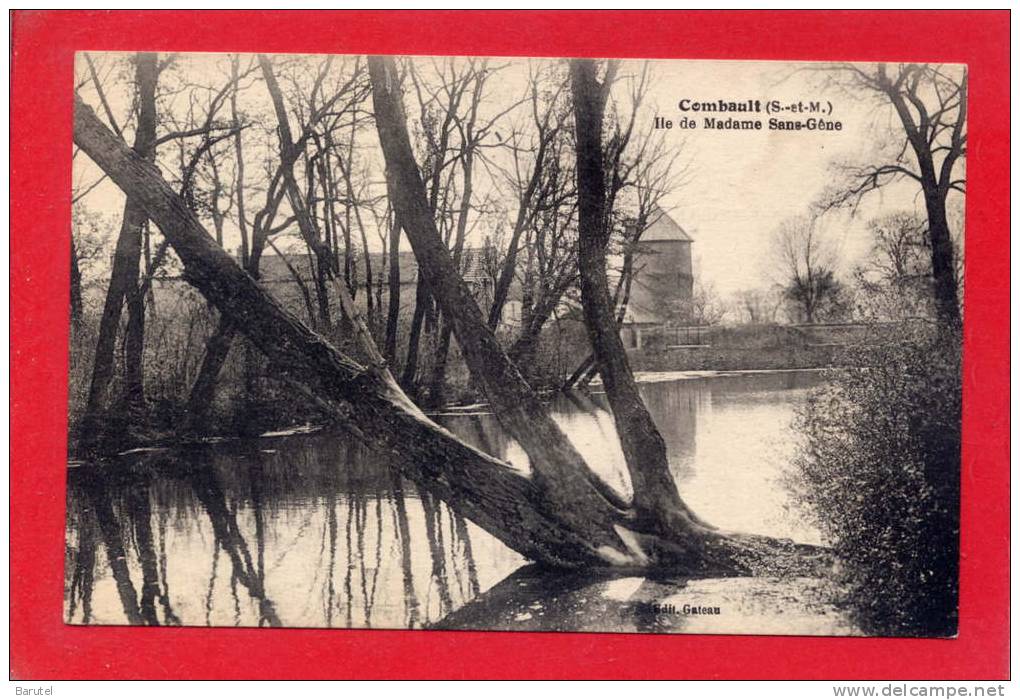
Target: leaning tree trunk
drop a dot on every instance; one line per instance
(655, 493)
(585, 371)
(554, 459)
(555, 528)
(505, 502)
(652, 533)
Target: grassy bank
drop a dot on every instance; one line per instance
(251, 398)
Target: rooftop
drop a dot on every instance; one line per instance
(662, 227)
(274, 269)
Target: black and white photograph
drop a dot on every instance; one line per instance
(517, 344)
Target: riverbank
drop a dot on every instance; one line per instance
(750, 347)
(249, 401)
(710, 358)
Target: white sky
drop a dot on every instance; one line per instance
(745, 183)
(741, 184)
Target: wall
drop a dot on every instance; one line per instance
(753, 347)
(710, 358)
(663, 280)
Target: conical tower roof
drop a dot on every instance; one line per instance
(662, 227)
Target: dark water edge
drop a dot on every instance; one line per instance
(315, 531)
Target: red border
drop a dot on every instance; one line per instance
(43, 46)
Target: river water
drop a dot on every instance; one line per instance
(312, 530)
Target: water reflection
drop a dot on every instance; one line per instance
(313, 530)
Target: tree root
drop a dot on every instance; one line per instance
(690, 548)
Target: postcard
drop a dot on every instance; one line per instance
(537, 344)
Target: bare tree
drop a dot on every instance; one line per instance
(559, 514)
(538, 177)
(90, 232)
(704, 308)
(930, 103)
(439, 106)
(124, 275)
(219, 343)
(644, 171)
(896, 278)
(805, 262)
(393, 282)
(471, 135)
(757, 306)
(282, 186)
(655, 492)
(551, 271)
(290, 152)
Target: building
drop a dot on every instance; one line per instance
(277, 275)
(661, 288)
(663, 283)
(660, 291)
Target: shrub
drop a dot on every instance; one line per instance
(880, 472)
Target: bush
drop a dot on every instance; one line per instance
(880, 473)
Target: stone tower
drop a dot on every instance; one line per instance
(663, 282)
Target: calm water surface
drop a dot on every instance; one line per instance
(313, 530)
